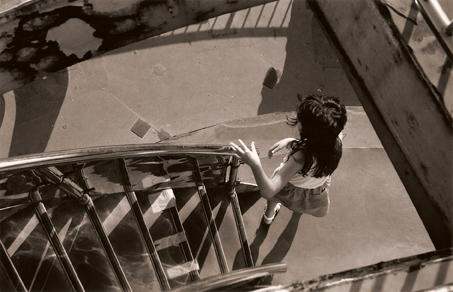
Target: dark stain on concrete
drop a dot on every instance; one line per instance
(163, 135)
(140, 128)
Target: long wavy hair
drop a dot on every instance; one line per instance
(322, 118)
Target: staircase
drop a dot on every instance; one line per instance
(151, 222)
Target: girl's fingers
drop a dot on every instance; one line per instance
(246, 149)
(243, 145)
(270, 153)
(236, 147)
(253, 147)
(273, 149)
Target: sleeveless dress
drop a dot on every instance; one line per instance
(304, 194)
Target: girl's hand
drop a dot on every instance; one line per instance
(251, 158)
(279, 146)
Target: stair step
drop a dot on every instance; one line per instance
(197, 231)
(183, 269)
(172, 240)
(29, 249)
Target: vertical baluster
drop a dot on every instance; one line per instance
(77, 192)
(237, 211)
(185, 247)
(132, 198)
(214, 233)
(46, 223)
(10, 270)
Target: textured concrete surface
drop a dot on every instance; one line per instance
(371, 217)
(181, 81)
(210, 76)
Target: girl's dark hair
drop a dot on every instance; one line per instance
(322, 119)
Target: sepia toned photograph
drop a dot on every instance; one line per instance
(226, 145)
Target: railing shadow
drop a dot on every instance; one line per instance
(278, 253)
(38, 103)
(233, 25)
(305, 38)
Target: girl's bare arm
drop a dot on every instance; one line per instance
(268, 186)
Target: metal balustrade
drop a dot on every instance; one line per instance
(81, 194)
(232, 181)
(157, 264)
(193, 269)
(10, 270)
(52, 236)
(207, 211)
(75, 183)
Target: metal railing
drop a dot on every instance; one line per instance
(439, 22)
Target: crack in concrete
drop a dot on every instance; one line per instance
(160, 133)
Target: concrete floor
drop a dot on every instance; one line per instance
(209, 76)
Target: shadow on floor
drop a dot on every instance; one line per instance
(278, 252)
(38, 105)
(305, 75)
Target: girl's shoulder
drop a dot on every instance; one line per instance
(299, 156)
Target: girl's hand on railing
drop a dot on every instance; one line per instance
(250, 157)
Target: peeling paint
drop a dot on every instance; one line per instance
(115, 7)
(4, 43)
(45, 63)
(39, 22)
(6, 78)
(5, 57)
(75, 36)
(26, 54)
(7, 32)
(66, 32)
(123, 26)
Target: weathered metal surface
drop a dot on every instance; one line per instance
(38, 38)
(414, 127)
(428, 43)
(413, 273)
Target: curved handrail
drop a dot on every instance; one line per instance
(234, 277)
(106, 152)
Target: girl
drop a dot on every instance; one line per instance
(301, 183)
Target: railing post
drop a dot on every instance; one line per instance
(232, 181)
(76, 192)
(209, 216)
(10, 270)
(52, 235)
(185, 247)
(132, 198)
